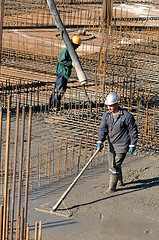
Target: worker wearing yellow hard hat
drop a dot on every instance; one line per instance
(76, 40)
(63, 73)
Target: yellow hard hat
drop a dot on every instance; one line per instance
(76, 40)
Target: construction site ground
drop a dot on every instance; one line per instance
(131, 213)
(128, 214)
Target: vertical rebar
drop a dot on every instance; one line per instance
(66, 152)
(10, 182)
(60, 153)
(92, 141)
(36, 231)
(31, 173)
(40, 230)
(1, 221)
(40, 169)
(22, 225)
(27, 232)
(20, 166)
(6, 168)
(8, 211)
(1, 27)
(85, 150)
(52, 158)
(37, 161)
(49, 168)
(79, 155)
(27, 170)
(46, 158)
(18, 228)
(73, 148)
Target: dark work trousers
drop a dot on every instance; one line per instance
(115, 161)
(59, 90)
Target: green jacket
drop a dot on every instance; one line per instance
(64, 64)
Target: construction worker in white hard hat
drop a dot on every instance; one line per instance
(119, 126)
(63, 73)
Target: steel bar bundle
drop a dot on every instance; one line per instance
(8, 206)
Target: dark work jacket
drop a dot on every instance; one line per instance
(121, 132)
(64, 64)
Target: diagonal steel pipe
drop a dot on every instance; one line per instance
(80, 73)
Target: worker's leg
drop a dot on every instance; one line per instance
(115, 160)
(119, 158)
(113, 173)
(51, 100)
(60, 88)
(120, 178)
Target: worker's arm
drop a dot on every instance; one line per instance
(103, 131)
(133, 133)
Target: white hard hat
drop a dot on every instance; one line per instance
(112, 98)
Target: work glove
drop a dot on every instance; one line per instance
(100, 145)
(131, 149)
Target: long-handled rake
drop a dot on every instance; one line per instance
(54, 208)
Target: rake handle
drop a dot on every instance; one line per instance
(74, 182)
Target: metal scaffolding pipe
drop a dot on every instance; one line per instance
(80, 73)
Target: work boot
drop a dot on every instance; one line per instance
(112, 183)
(120, 178)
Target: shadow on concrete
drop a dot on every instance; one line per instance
(60, 223)
(143, 184)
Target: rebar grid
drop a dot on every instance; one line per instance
(29, 13)
(124, 59)
(66, 155)
(122, 54)
(128, 68)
